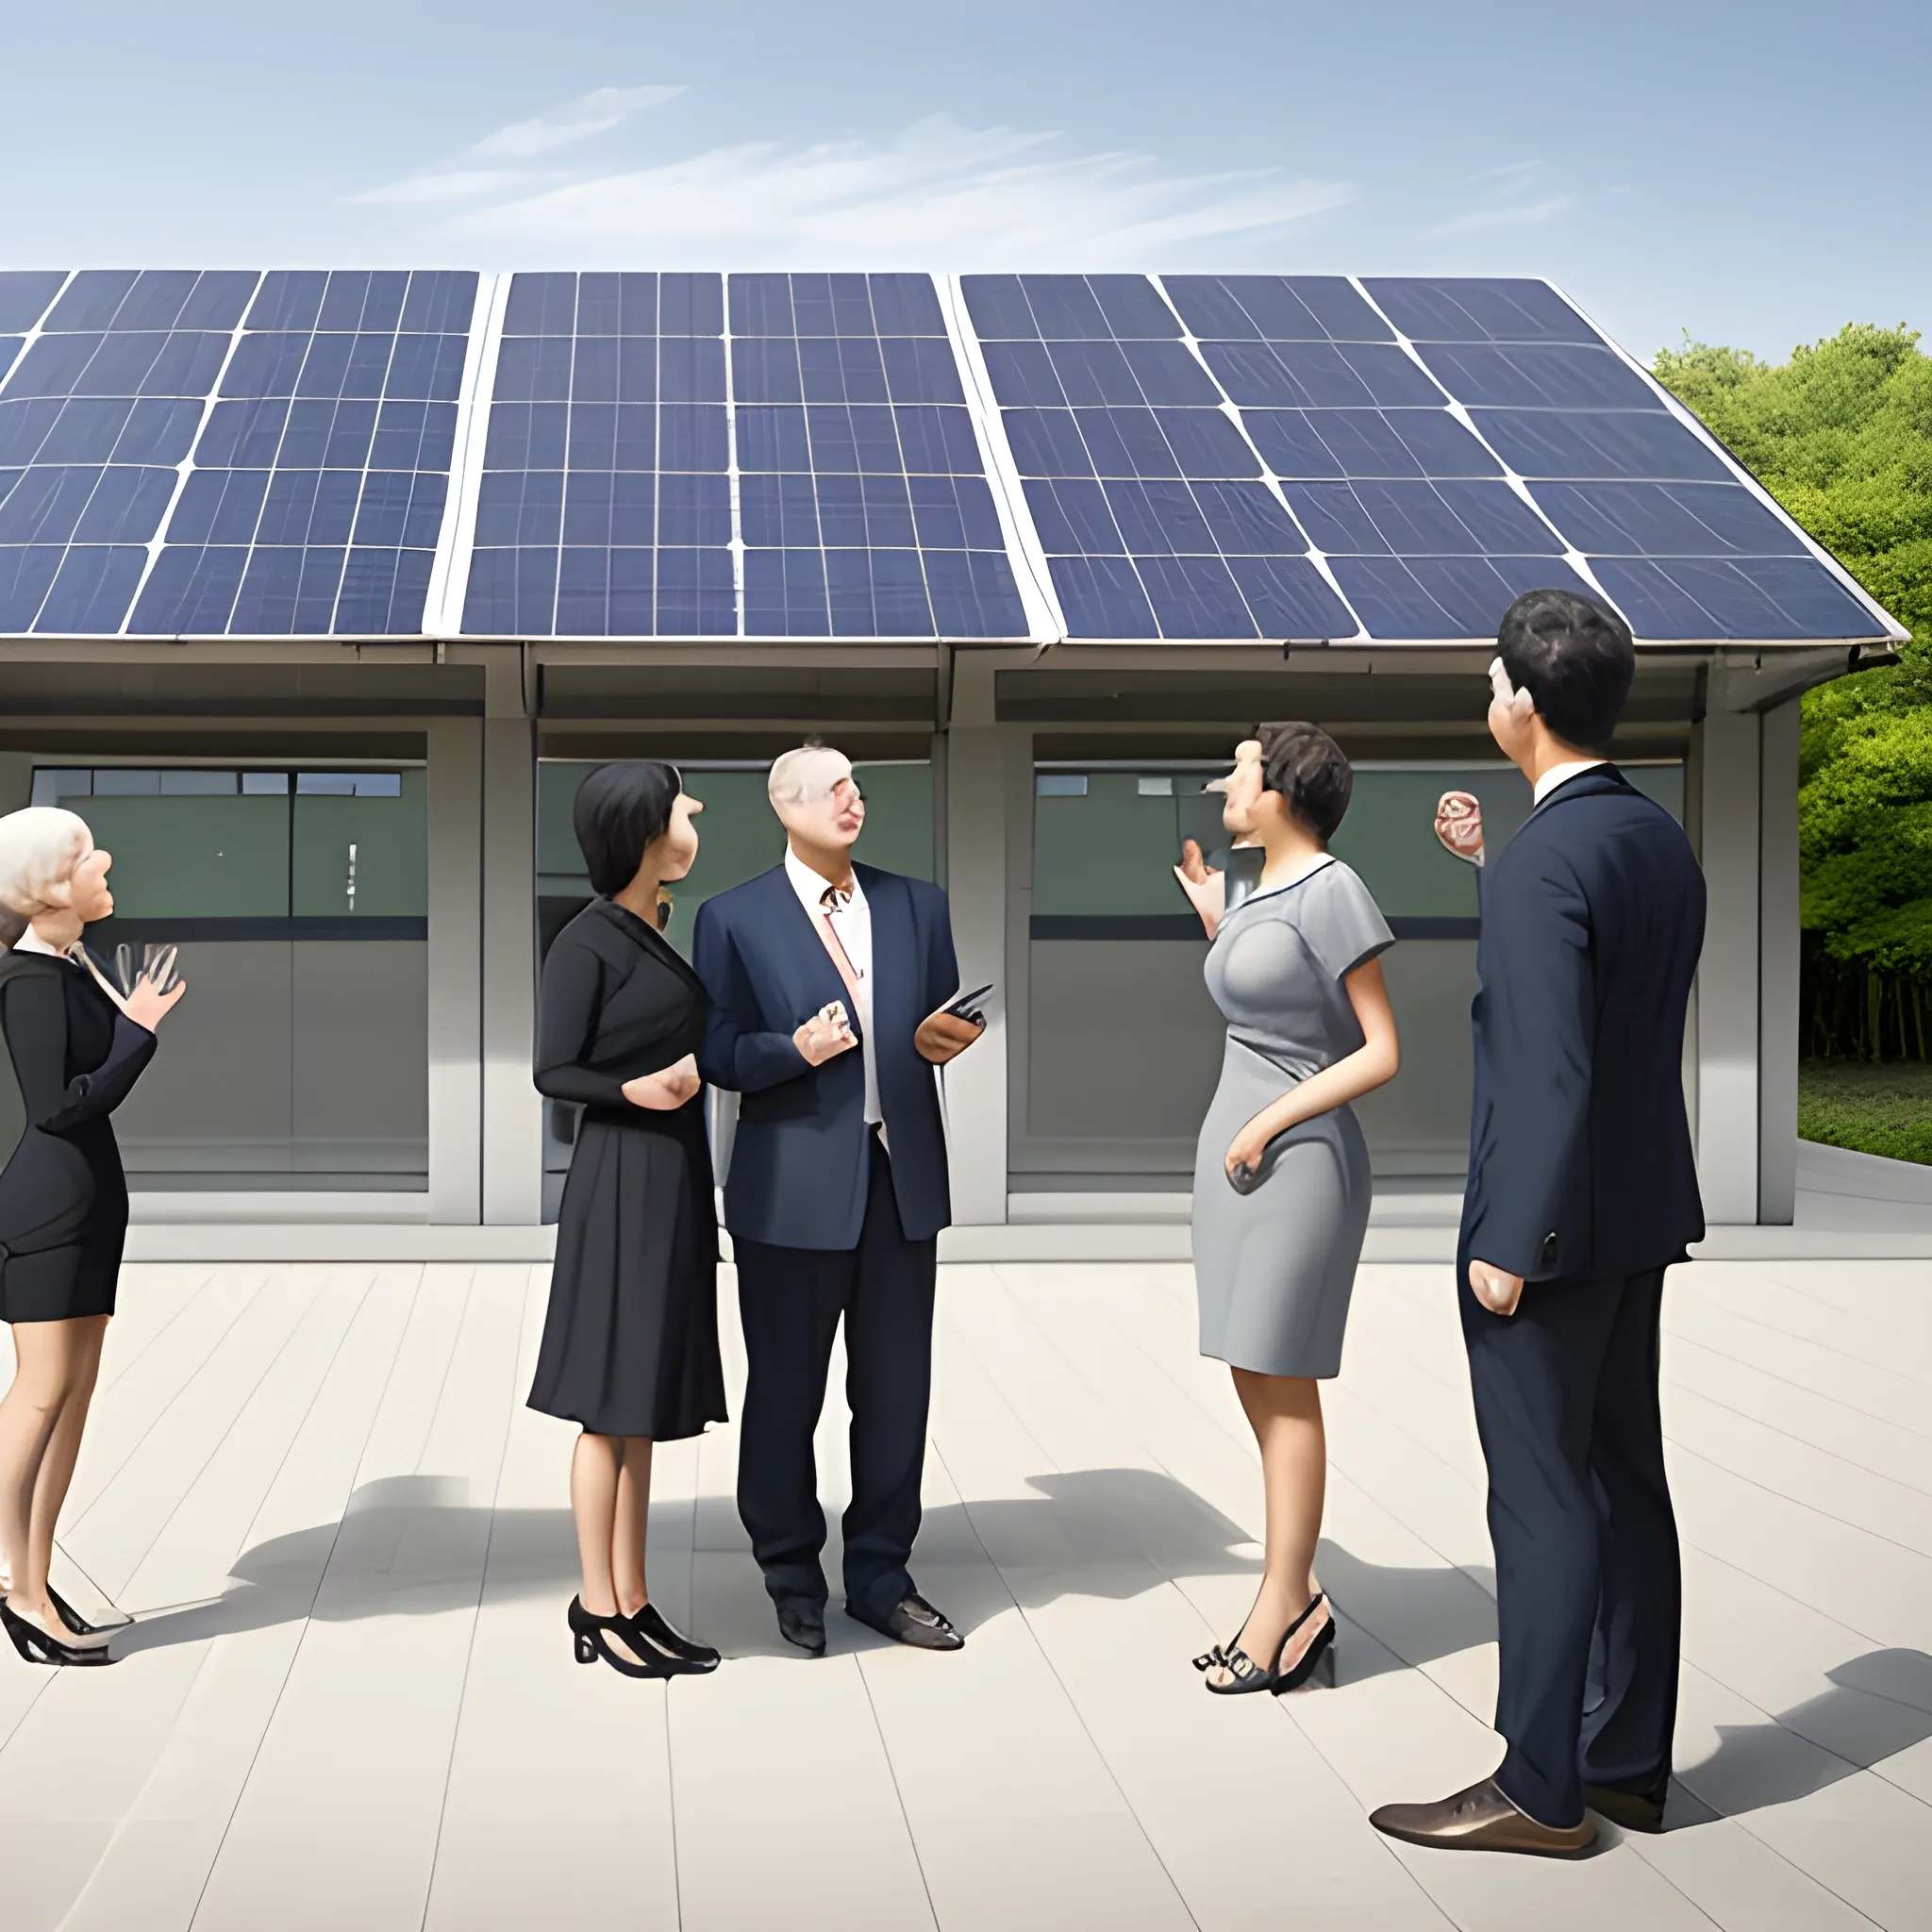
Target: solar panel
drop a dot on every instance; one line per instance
(1151, 506)
(1412, 514)
(188, 453)
(226, 452)
(1668, 531)
(605, 504)
(864, 497)
(315, 501)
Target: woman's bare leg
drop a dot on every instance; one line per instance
(595, 1469)
(47, 1354)
(63, 1449)
(628, 1530)
(1285, 1412)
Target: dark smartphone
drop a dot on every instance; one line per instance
(963, 1006)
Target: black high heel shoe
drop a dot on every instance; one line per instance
(39, 1646)
(590, 1642)
(1247, 1675)
(682, 1656)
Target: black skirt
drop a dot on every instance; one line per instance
(630, 1340)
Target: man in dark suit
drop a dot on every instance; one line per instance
(827, 982)
(1581, 1193)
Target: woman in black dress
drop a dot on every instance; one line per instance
(630, 1342)
(77, 1048)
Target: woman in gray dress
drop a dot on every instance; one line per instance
(1282, 1177)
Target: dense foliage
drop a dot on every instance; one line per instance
(1842, 435)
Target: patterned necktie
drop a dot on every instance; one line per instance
(830, 902)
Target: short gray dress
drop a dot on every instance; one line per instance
(1274, 1269)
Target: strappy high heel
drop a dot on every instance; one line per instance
(37, 1644)
(1246, 1676)
(683, 1657)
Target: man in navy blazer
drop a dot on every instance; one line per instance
(1581, 1193)
(828, 981)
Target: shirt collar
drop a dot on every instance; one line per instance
(30, 941)
(811, 888)
(1561, 774)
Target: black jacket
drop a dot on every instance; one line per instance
(75, 1056)
(1580, 1163)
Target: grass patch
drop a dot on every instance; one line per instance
(1876, 1109)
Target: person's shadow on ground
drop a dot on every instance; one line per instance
(416, 1546)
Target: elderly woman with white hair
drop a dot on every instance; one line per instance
(77, 1048)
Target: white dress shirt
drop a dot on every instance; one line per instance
(850, 920)
(30, 941)
(1561, 774)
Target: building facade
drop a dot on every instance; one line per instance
(319, 594)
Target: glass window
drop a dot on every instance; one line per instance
(360, 846)
(189, 855)
(738, 836)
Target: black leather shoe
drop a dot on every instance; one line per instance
(803, 1622)
(1633, 1811)
(914, 1621)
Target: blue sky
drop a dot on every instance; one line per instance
(1752, 173)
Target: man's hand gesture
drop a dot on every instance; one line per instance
(826, 1035)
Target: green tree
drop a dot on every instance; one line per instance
(1842, 435)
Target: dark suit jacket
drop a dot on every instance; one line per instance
(800, 1159)
(1580, 1162)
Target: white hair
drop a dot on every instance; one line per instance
(804, 775)
(39, 847)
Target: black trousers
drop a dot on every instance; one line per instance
(790, 1300)
(1588, 1591)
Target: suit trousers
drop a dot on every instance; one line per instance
(790, 1301)
(1588, 1589)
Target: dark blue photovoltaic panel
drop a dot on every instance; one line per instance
(1469, 311)
(605, 508)
(23, 296)
(1682, 546)
(96, 419)
(315, 500)
(1435, 597)
(863, 500)
(1149, 503)
(1274, 308)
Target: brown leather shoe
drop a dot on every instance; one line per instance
(1633, 1811)
(1481, 1820)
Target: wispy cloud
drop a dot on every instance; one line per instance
(596, 112)
(1513, 196)
(593, 113)
(939, 191)
(451, 184)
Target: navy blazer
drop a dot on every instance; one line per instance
(800, 1161)
(1580, 1163)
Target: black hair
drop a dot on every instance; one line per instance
(1310, 771)
(1575, 660)
(620, 809)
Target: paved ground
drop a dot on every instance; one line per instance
(363, 1713)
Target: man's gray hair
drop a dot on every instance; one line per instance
(39, 848)
(799, 777)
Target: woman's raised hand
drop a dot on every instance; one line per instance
(664, 1091)
(1206, 889)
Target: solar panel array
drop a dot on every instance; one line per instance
(697, 456)
(865, 505)
(230, 453)
(605, 508)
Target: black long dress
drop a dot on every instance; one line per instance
(630, 1340)
(63, 1195)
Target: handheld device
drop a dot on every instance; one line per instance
(963, 1006)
